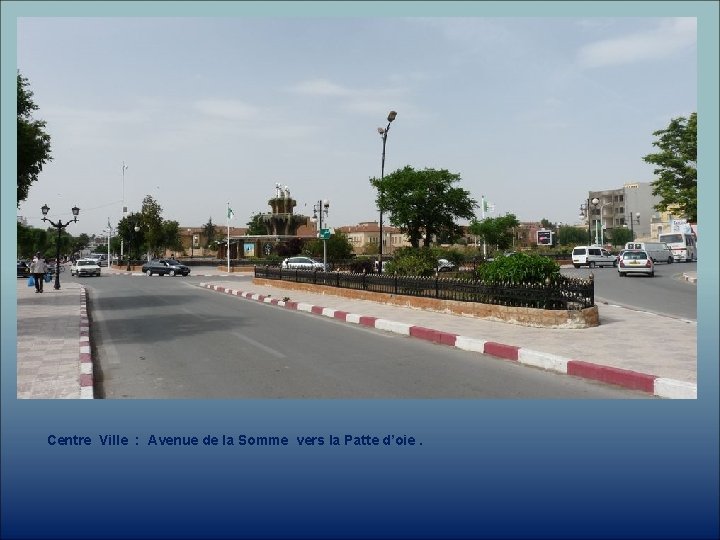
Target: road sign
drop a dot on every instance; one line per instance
(324, 234)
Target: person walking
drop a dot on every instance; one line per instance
(38, 267)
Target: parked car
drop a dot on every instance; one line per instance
(592, 256)
(301, 263)
(163, 267)
(85, 267)
(636, 261)
(443, 265)
(23, 269)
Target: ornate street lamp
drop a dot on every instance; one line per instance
(59, 226)
(383, 133)
(322, 207)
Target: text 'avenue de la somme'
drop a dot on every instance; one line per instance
(153, 440)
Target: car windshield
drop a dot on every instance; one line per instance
(671, 238)
(172, 261)
(634, 255)
(86, 263)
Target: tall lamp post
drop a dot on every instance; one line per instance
(632, 221)
(192, 241)
(601, 238)
(59, 226)
(322, 207)
(383, 133)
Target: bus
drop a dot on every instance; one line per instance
(682, 245)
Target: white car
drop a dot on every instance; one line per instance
(85, 267)
(636, 261)
(443, 265)
(302, 263)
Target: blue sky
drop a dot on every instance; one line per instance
(531, 112)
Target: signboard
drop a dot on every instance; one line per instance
(249, 249)
(544, 238)
(324, 234)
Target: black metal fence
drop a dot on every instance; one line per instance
(561, 292)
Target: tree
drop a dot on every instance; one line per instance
(209, 232)
(575, 236)
(497, 231)
(33, 143)
(171, 236)
(134, 241)
(676, 167)
(338, 247)
(621, 236)
(152, 224)
(423, 204)
(256, 225)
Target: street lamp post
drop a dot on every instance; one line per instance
(59, 226)
(322, 207)
(601, 238)
(192, 241)
(383, 133)
(136, 229)
(632, 221)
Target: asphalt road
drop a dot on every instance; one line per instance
(666, 293)
(165, 337)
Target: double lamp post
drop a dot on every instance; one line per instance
(322, 207)
(383, 133)
(59, 225)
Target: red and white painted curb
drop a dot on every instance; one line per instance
(652, 384)
(86, 365)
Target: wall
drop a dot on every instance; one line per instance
(541, 318)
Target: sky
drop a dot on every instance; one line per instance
(531, 112)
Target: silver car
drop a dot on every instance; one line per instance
(301, 263)
(635, 261)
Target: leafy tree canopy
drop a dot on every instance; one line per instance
(33, 143)
(256, 226)
(209, 231)
(676, 170)
(497, 231)
(424, 204)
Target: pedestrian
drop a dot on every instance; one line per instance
(38, 267)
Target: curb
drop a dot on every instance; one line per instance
(633, 380)
(86, 364)
(691, 279)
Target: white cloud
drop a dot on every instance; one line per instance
(225, 108)
(321, 87)
(670, 37)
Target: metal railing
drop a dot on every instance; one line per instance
(561, 292)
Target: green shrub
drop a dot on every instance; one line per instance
(519, 268)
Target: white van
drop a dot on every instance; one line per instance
(658, 251)
(682, 245)
(592, 256)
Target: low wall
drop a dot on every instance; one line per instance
(541, 318)
(236, 269)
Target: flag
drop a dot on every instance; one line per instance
(231, 214)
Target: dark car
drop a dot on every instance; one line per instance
(162, 267)
(23, 269)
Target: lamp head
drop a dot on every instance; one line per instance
(75, 211)
(391, 116)
(45, 209)
(595, 201)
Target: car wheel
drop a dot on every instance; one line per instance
(576, 265)
(591, 265)
(670, 260)
(172, 273)
(651, 274)
(148, 272)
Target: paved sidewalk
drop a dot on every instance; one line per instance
(53, 345)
